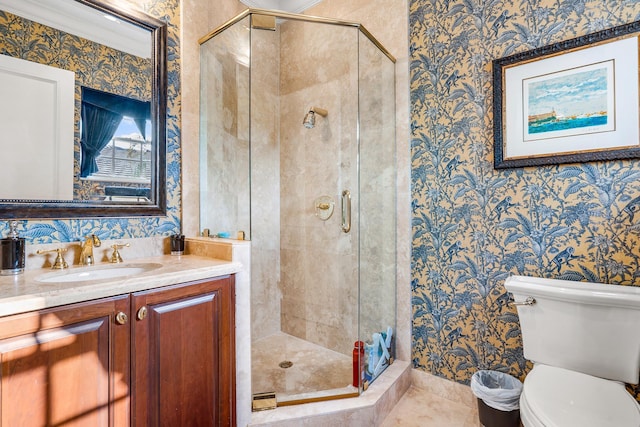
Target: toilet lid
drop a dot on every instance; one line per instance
(563, 398)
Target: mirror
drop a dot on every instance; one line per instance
(84, 132)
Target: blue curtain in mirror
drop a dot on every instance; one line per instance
(98, 127)
(101, 114)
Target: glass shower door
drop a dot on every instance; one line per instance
(304, 235)
(377, 214)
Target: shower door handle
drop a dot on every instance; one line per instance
(346, 211)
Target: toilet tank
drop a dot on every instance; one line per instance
(591, 328)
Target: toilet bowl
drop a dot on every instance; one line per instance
(556, 397)
(583, 341)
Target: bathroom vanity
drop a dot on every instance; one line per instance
(152, 348)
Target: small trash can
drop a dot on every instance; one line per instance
(498, 398)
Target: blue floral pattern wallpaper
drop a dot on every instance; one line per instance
(66, 230)
(473, 226)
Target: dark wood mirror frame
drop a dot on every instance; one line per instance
(28, 209)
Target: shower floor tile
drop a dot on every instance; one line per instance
(313, 368)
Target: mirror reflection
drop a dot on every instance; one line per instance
(83, 126)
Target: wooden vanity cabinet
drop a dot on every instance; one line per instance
(66, 366)
(184, 355)
(163, 357)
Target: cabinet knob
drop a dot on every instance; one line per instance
(121, 318)
(142, 313)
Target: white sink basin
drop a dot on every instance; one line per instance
(100, 272)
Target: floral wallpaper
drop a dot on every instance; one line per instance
(55, 48)
(473, 226)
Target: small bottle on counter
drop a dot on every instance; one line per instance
(12, 252)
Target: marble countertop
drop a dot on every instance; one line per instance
(24, 292)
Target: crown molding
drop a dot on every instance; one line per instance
(75, 18)
(292, 6)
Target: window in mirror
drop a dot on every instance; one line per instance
(115, 146)
(127, 156)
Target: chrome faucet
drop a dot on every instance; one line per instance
(86, 255)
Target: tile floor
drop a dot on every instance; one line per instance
(420, 408)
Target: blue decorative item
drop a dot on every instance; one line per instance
(378, 354)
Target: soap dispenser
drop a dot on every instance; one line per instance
(12, 250)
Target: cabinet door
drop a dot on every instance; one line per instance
(183, 355)
(66, 366)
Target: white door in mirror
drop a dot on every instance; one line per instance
(36, 118)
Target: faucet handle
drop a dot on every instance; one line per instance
(115, 256)
(93, 239)
(59, 263)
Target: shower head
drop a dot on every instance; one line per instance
(310, 118)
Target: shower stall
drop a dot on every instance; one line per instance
(297, 154)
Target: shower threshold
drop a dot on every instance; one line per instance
(317, 396)
(263, 401)
(270, 400)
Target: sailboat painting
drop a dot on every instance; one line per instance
(573, 101)
(570, 102)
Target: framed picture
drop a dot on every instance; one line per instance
(574, 101)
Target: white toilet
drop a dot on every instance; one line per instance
(584, 342)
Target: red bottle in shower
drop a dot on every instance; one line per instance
(358, 362)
